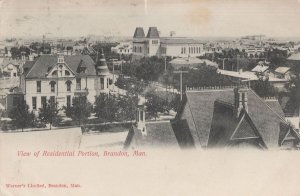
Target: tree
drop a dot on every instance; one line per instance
(154, 104)
(80, 110)
(106, 107)
(15, 53)
(263, 88)
(49, 113)
(21, 116)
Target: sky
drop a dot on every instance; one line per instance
(201, 18)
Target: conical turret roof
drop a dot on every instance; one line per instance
(101, 65)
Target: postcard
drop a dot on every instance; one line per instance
(148, 97)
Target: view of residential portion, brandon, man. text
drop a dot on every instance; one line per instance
(92, 85)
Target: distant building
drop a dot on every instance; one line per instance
(283, 72)
(61, 78)
(154, 45)
(123, 48)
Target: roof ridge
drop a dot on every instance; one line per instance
(195, 125)
(263, 101)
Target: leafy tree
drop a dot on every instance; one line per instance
(154, 104)
(263, 88)
(204, 76)
(20, 115)
(15, 53)
(80, 110)
(49, 113)
(106, 107)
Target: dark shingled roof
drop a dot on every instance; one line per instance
(199, 111)
(152, 33)
(139, 33)
(275, 106)
(227, 130)
(159, 134)
(45, 62)
(27, 66)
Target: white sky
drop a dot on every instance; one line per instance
(120, 17)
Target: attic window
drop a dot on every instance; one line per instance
(67, 73)
(54, 73)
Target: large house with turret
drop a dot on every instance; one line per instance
(60, 78)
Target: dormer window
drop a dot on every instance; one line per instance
(61, 59)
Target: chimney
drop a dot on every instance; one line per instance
(140, 116)
(240, 100)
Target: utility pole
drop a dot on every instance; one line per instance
(181, 72)
(165, 63)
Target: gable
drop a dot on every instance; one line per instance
(62, 69)
(245, 130)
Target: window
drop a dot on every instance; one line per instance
(101, 83)
(78, 83)
(142, 115)
(34, 103)
(154, 41)
(107, 82)
(67, 73)
(43, 101)
(52, 83)
(15, 74)
(15, 101)
(68, 85)
(68, 100)
(54, 73)
(52, 99)
(38, 86)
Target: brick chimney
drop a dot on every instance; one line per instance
(240, 100)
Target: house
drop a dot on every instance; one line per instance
(60, 78)
(262, 67)
(219, 117)
(11, 69)
(283, 72)
(154, 45)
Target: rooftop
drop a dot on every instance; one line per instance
(152, 32)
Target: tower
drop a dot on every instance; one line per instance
(102, 73)
(152, 48)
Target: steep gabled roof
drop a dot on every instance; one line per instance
(200, 104)
(159, 134)
(152, 32)
(45, 62)
(139, 33)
